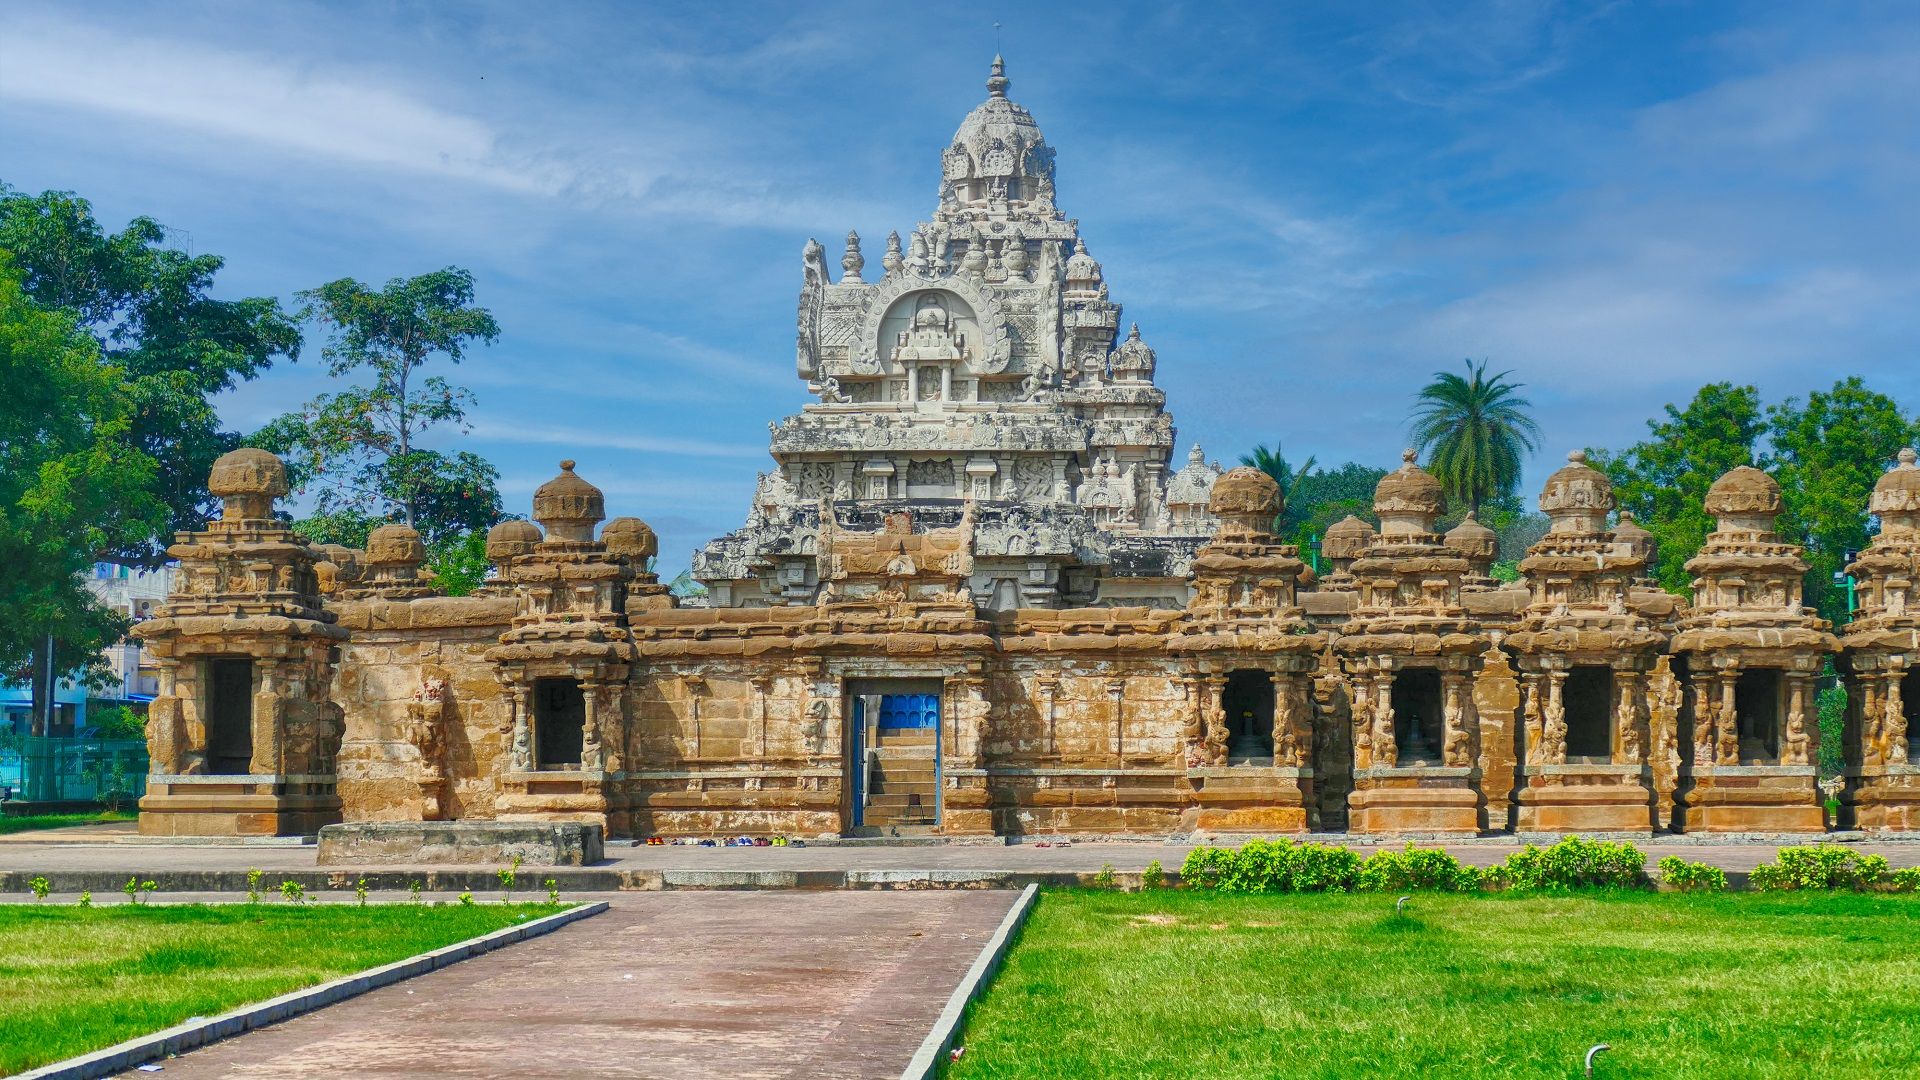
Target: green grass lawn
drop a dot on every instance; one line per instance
(30, 822)
(1198, 984)
(77, 979)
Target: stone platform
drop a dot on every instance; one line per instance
(460, 843)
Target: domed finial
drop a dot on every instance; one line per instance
(1134, 333)
(1908, 457)
(567, 465)
(1576, 457)
(1408, 457)
(1196, 456)
(997, 82)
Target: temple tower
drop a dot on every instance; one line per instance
(1882, 663)
(1752, 653)
(243, 736)
(983, 364)
(1409, 654)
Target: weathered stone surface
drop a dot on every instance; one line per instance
(489, 843)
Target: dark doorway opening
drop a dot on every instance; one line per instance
(559, 723)
(1248, 702)
(1588, 698)
(1418, 719)
(1756, 706)
(230, 715)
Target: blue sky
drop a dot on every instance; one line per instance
(1309, 208)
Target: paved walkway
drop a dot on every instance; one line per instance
(48, 854)
(682, 985)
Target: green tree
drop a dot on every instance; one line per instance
(1827, 455)
(1664, 480)
(1475, 431)
(1274, 463)
(1323, 496)
(72, 484)
(358, 449)
(172, 348)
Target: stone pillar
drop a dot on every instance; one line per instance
(1216, 720)
(1360, 721)
(522, 706)
(1727, 721)
(1117, 689)
(695, 685)
(269, 720)
(592, 741)
(1049, 686)
(1628, 746)
(1386, 748)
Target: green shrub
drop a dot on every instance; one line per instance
(1678, 873)
(1106, 879)
(1905, 879)
(1416, 868)
(1819, 866)
(1272, 866)
(1153, 877)
(1575, 862)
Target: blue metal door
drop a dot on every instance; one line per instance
(909, 711)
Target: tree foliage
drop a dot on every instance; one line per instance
(1664, 480)
(357, 450)
(1826, 453)
(1274, 463)
(72, 484)
(171, 346)
(1323, 496)
(1475, 430)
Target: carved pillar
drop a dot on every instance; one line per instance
(762, 689)
(269, 720)
(1628, 748)
(1895, 724)
(1800, 742)
(1216, 720)
(1727, 721)
(1386, 748)
(1553, 728)
(1049, 686)
(1360, 723)
(695, 685)
(522, 754)
(1287, 712)
(1456, 734)
(592, 745)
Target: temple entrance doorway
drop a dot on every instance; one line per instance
(230, 715)
(559, 723)
(1588, 698)
(895, 753)
(1248, 702)
(1417, 718)
(1910, 708)
(1756, 707)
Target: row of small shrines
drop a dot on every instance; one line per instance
(1403, 692)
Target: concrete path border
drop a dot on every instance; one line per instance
(946, 1029)
(195, 1033)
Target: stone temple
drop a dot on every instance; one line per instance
(972, 600)
(979, 378)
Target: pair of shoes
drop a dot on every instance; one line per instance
(761, 841)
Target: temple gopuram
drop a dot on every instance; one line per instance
(974, 598)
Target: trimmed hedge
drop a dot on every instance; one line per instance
(1287, 866)
(1574, 862)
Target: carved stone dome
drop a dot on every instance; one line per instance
(1408, 499)
(1577, 497)
(630, 538)
(1896, 497)
(998, 153)
(511, 539)
(247, 481)
(1192, 486)
(1134, 359)
(1083, 273)
(1347, 538)
(395, 545)
(568, 507)
(1473, 540)
(1744, 500)
(1245, 500)
(1630, 534)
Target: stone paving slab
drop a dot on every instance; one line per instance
(682, 985)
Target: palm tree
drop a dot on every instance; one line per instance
(1274, 463)
(1477, 429)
